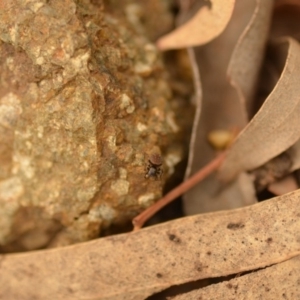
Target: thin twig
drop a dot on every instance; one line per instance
(140, 220)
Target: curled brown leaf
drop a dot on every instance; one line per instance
(221, 109)
(248, 53)
(276, 126)
(207, 24)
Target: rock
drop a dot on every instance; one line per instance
(84, 99)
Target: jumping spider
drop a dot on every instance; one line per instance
(154, 167)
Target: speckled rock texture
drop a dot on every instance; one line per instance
(84, 101)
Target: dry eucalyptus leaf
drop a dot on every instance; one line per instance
(238, 193)
(280, 281)
(138, 264)
(247, 56)
(207, 24)
(221, 108)
(198, 105)
(294, 153)
(276, 126)
(284, 186)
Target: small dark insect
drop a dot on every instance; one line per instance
(154, 167)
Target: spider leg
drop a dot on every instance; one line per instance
(147, 168)
(159, 174)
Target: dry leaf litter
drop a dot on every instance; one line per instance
(245, 65)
